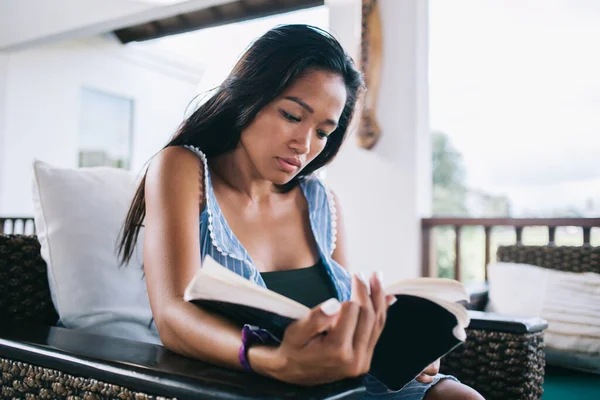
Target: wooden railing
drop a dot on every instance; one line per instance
(427, 224)
(16, 225)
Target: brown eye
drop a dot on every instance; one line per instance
(322, 134)
(290, 117)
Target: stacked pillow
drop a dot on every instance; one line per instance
(78, 214)
(569, 301)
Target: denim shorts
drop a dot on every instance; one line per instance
(412, 391)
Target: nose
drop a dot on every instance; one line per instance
(300, 144)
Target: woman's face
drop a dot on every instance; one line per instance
(288, 133)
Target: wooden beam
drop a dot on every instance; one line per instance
(519, 234)
(520, 222)
(457, 273)
(551, 235)
(586, 235)
(425, 252)
(219, 17)
(488, 245)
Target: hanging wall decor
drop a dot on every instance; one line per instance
(369, 131)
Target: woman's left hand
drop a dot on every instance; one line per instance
(429, 373)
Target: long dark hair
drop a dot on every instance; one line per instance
(267, 68)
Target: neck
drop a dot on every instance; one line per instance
(236, 170)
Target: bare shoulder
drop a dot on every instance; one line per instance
(174, 199)
(177, 174)
(177, 162)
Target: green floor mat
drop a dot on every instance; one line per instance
(564, 384)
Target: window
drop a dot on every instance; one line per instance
(105, 130)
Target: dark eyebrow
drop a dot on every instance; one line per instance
(308, 108)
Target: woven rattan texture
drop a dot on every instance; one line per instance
(24, 291)
(499, 365)
(20, 380)
(562, 258)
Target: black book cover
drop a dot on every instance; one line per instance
(242, 314)
(417, 332)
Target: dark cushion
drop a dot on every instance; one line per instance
(24, 291)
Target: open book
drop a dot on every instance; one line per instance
(423, 325)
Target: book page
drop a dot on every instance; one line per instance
(215, 282)
(442, 288)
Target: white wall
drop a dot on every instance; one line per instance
(385, 191)
(3, 88)
(42, 106)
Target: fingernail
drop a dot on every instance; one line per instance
(331, 307)
(364, 279)
(392, 301)
(379, 275)
(359, 276)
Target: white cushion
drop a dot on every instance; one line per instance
(569, 301)
(78, 214)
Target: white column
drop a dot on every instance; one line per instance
(385, 191)
(403, 106)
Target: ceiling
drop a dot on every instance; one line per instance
(27, 23)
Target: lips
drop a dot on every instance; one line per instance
(293, 161)
(288, 165)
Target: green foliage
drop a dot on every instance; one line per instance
(451, 198)
(447, 162)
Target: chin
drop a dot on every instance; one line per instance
(282, 180)
(281, 177)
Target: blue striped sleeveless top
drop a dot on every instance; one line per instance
(218, 241)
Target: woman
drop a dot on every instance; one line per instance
(236, 183)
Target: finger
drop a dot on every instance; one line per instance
(424, 378)
(366, 318)
(380, 306)
(320, 319)
(361, 289)
(390, 300)
(436, 366)
(378, 297)
(342, 333)
(431, 370)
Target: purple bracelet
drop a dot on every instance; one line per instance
(252, 335)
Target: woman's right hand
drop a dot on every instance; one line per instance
(307, 356)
